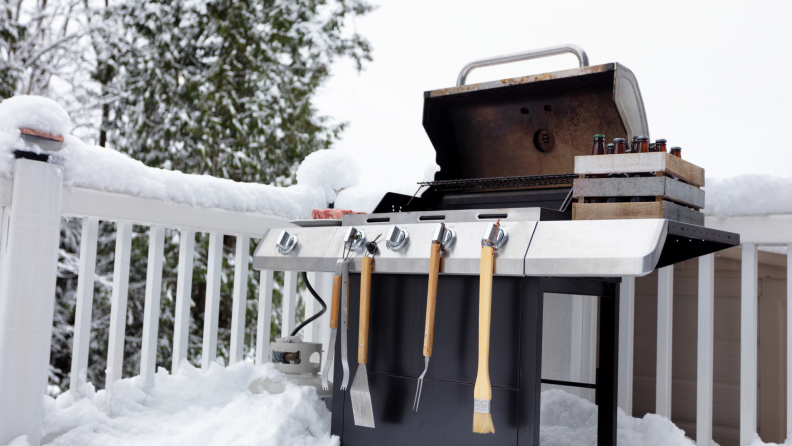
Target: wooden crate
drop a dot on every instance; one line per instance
(619, 211)
(660, 162)
(657, 187)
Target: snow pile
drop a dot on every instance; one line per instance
(567, 420)
(318, 179)
(34, 112)
(748, 195)
(194, 407)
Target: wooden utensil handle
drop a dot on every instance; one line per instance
(483, 390)
(336, 302)
(431, 298)
(365, 306)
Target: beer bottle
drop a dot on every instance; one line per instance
(676, 151)
(642, 143)
(660, 144)
(619, 146)
(599, 145)
(652, 148)
(610, 150)
(634, 145)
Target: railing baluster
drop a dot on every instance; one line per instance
(151, 310)
(289, 313)
(118, 310)
(85, 292)
(706, 324)
(212, 308)
(748, 342)
(789, 342)
(310, 332)
(181, 330)
(665, 332)
(238, 312)
(266, 284)
(626, 336)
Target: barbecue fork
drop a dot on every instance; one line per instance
(431, 303)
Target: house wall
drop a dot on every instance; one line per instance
(726, 401)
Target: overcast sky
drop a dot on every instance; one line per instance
(713, 75)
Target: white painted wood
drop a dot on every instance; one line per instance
(6, 189)
(266, 284)
(27, 297)
(181, 329)
(151, 309)
(118, 310)
(789, 341)
(665, 330)
(212, 309)
(5, 214)
(311, 331)
(82, 316)
(758, 229)
(239, 305)
(289, 312)
(626, 340)
(119, 207)
(748, 342)
(706, 342)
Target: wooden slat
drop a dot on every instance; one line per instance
(118, 310)
(665, 330)
(706, 346)
(749, 312)
(239, 306)
(619, 211)
(664, 187)
(85, 292)
(181, 330)
(266, 284)
(640, 162)
(289, 312)
(151, 310)
(212, 307)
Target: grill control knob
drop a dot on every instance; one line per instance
(285, 242)
(494, 236)
(397, 238)
(354, 238)
(446, 236)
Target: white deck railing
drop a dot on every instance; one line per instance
(32, 199)
(35, 198)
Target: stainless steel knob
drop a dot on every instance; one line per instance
(354, 238)
(494, 236)
(286, 242)
(396, 238)
(444, 235)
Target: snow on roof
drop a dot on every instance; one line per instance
(319, 177)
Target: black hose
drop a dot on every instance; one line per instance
(315, 316)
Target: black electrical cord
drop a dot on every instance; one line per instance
(315, 316)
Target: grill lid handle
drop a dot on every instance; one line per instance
(525, 55)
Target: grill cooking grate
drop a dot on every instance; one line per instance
(501, 182)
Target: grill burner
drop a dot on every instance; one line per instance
(501, 182)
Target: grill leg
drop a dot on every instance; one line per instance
(608, 369)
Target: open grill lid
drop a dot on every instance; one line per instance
(531, 125)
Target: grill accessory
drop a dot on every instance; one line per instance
(431, 304)
(334, 307)
(482, 392)
(343, 265)
(359, 393)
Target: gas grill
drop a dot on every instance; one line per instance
(506, 152)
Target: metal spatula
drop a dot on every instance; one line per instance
(334, 306)
(361, 396)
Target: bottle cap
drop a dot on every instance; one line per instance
(676, 148)
(643, 138)
(618, 140)
(660, 141)
(610, 145)
(599, 136)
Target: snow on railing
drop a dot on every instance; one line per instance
(37, 187)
